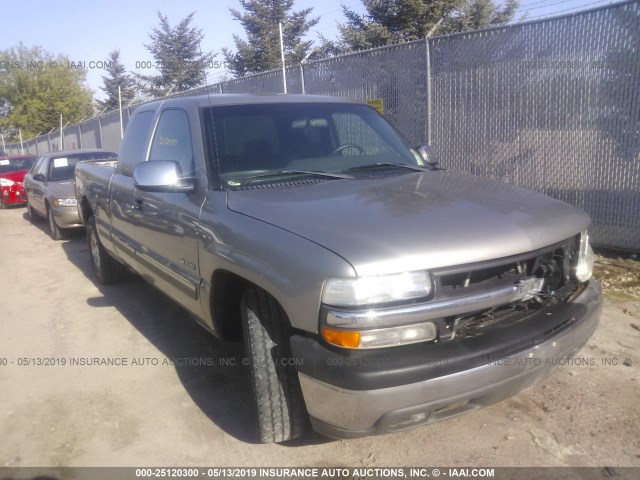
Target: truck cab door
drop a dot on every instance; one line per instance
(168, 221)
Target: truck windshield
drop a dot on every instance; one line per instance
(262, 139)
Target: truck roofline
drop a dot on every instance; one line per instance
(244, 99)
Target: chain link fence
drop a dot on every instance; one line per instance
(551, 105)
(394, 78)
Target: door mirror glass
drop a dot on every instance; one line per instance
(428, 155)
(160, 176)
(38, 177)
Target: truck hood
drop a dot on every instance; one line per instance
(416, 220)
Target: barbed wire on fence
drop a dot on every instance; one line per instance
(548, 104)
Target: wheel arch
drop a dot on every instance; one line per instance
(227, 289)
(85, 210)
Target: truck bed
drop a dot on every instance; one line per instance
(92, 185)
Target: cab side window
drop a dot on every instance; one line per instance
(172, 140)
(135, 141)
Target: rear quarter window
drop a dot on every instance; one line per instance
(134, 145)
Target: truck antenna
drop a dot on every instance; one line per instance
(213, 144)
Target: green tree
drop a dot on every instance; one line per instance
(117, 77)
(177, 54)
(36, 87)
(477, 14)
(392, 21)
(261, 50)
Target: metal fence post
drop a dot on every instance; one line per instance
(302, 64)
(428, 82)
(100, 131)
(302, 78)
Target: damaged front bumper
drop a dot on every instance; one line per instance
(351, 394)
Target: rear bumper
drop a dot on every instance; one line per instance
(344, 411)
(13, 195)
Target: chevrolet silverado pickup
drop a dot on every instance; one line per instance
(374, 291)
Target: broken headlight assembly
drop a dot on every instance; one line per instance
(586, 257)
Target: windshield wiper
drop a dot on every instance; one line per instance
(416, 168)
(286, 173)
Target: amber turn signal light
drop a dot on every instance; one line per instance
(341, 338)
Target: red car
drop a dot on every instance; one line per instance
(13, 168)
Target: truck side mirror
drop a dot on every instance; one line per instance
(160, 176)
(428, 155)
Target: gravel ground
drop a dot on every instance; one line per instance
(618, 275)
(150, 412)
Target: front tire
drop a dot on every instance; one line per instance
(278, 398)
(31, 214)
(106, 268)
(54, 230)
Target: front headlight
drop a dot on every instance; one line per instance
(5, 182)
(349, 292)
(376, 290)
(586, 257)
(65, 202)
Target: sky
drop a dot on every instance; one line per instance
(86, 31)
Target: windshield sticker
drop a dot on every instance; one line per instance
(5, 162)
(378, 104)
(60, 162)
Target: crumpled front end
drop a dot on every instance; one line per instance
(498, 327)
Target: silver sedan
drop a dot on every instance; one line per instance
(49, 188)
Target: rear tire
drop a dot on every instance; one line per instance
(106, 268)
(55, 231)
(278, 398)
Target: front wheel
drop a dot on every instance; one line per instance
(32, 216)
(54, 230)
(106, 268)
(278, 398)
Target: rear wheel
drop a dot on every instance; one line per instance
(106, 268)
(278, 398)
(55, 231)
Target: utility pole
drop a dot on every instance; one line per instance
(284, 69)
(120, 104)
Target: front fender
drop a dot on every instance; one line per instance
(290, 268)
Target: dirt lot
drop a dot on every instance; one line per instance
(587, 414)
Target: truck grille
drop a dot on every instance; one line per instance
(552, 264)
